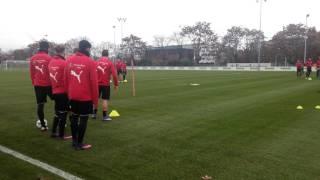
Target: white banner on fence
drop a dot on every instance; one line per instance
(215, 68)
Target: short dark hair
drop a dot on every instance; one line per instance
(84, 44)
(43, 45)
(105, 52)
(59, 49)
(75, 50)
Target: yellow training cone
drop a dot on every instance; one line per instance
(299, 107)
(317, 107)
(114, 113)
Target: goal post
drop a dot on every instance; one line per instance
(14, 65)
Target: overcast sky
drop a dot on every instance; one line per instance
(23, 21)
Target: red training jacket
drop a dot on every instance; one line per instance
(309, 63)
(105, 69)
(123, 66)
(39, 72)
(318, 63)
(56, 71)
(118, 64)
(299, 64)
(81, 78)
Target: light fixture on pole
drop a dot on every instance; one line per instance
(122, 20)
(114, 42)
(260, 32)
(305, 39)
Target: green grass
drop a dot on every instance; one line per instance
(235, 125)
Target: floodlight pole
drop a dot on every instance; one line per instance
(260, 27)
(305, 40)
(114, 41)
(122, 20)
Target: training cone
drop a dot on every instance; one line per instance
(299, 107)
(194, 84)
(317, 107)
(310, 79)
(114, 113)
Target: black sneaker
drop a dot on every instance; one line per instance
(106, 118)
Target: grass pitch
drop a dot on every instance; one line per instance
(234, 125)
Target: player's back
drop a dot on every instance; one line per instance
(56, 71)
(104, 69)
(80, 77)
(39, 69)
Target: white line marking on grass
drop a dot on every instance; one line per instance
(40, 164)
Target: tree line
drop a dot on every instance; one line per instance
(238, 45)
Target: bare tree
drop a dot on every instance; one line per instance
(73, 43)
(200, 35)
(177, 39)
(133, 47)
(97, 49)
(161, 41)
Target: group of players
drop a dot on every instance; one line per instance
(308, 64)
(75, 84)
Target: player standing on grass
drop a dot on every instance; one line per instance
(82, 88)
(318, 68)
(39, 74)
(105, 69)
(118, 67)
(56, 70)
(299, 66)
(124, 71)
(309, 64)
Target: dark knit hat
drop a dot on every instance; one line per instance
(43, 45)
(84, 44)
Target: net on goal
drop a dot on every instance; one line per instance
(15, 65)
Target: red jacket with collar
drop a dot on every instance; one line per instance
(56, 71)
(309, 63)
(299, 64)
(81, 78)
(39, 72)
(318, 64)
(123, 66)
(105, 69)
(118, 65)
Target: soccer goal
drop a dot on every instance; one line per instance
(14, 65)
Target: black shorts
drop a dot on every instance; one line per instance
(42, 92)
(81, 107)
(119, 71)
(104, 92)
(61, 102)
(299, 69)
(309, 69)
(124, 72)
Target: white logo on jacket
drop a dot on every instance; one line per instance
(101, 69)
(39, 69)
(54, 76)
(73, 73)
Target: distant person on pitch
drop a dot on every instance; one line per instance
(124, 71)
(318, 68)
(309, 64)
(82, 89)
(299, 66)
(61, 106)
(105, 69)
(118, 67)
(39, 75)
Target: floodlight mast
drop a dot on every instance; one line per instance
(260, 28)
(305, 39)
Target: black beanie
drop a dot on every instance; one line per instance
(43, 45)
(84, 44)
